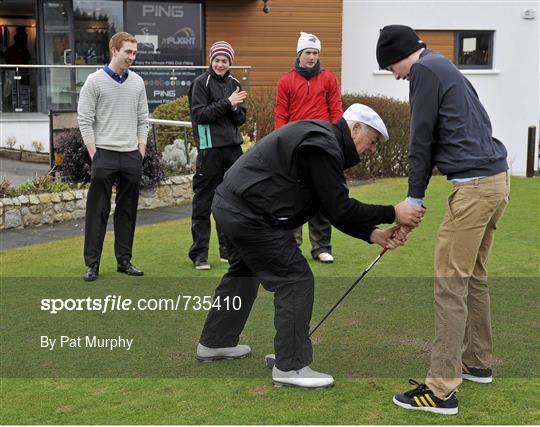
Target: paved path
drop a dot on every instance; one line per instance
(17, 172)
(13, 238)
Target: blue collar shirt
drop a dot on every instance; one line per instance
(116, 77)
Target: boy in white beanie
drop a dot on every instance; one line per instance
(310, 93)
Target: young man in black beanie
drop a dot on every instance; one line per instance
(451, 130)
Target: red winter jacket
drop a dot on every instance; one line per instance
(318, 98)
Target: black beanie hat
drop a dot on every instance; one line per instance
(396, 42)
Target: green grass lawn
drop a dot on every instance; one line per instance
(372, 344)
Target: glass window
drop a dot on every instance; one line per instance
(474, 49)
(95, 22)
(18, 46)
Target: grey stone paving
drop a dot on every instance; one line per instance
(28, 236)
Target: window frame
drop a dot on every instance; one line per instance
(458, 37)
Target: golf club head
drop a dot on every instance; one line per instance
(270, 360)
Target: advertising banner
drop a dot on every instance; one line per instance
(168, 33)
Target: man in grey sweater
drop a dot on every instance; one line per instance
(113, 119)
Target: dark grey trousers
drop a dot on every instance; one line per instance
(261, 254)
(320, 234)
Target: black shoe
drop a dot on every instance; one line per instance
(128, 268)
(477, 375)
(92, 272)
(201, 263)
(223, 256)
(422, 398)
(270, 361)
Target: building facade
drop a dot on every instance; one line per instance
(494, 43)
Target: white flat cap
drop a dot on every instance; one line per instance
(362, 113)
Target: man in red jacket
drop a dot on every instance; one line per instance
(310, 93)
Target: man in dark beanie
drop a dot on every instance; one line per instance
(278, 185)
(216, 105)
(451, 130)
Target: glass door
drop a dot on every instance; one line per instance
(58, 50)
(94, 22)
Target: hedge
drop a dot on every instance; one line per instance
(172, 110)
(75, 166)
(389, 160)
(391, 157)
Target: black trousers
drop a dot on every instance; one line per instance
(320, 233)
(108, 167)
(259, 253)
(210, 167)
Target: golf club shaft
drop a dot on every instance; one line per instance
(349, 290)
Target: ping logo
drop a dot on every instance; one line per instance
(170, 11)
(164, 94)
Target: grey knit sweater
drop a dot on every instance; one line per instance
(111, 115)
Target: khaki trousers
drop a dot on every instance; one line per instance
(462, 304)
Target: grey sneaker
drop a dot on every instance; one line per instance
(207, 354)
(304, 378)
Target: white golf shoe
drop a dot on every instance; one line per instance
(207, 354)
(325, 258)
(304, 378)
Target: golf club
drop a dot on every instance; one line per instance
(270, 359)
(349, 290)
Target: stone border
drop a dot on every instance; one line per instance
(34, 210)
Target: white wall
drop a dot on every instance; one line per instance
(26, 128)
(509, 92)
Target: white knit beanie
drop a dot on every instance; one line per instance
(308, 41)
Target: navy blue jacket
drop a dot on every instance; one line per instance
(449, 127)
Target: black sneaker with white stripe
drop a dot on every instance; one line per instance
(422, 398)
(477, 375)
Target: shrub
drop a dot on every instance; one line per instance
(259, 119)
(390, 158)
(43, 184)
(40, 184)
(248, 143)
(38, 146)
(260, 114)
(172, 110)
(75, 166)
(6, 190)
(175, 159)
(152, 173)
(10, 142)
